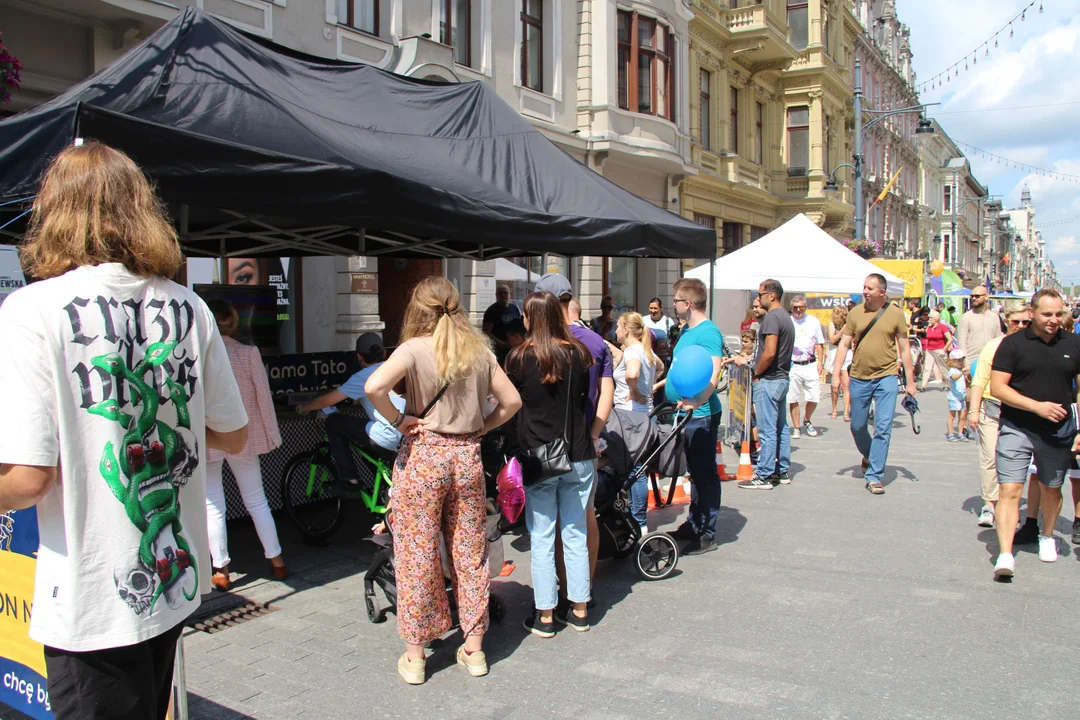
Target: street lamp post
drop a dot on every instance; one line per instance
(925, 127)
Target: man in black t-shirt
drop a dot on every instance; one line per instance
(770, 366)
(1035, 375)
(497, 317)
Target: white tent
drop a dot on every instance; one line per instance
(506, 270)
(802, 257)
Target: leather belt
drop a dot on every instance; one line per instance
(802, 362)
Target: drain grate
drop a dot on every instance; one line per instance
(234, 616)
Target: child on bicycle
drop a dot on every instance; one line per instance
(341, 429)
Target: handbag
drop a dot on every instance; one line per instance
(553, 458)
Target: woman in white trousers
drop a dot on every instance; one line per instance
(263, 436)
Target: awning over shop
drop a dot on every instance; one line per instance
(802, 257)
(262, 151)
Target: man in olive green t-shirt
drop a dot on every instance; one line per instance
(873, 374)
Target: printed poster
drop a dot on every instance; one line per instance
(738, 425)
(22, 661)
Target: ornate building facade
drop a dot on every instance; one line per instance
(883, 47)
(769, 116)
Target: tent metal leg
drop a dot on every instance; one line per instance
(712, 275)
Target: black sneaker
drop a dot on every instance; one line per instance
(685, 531)
(756, 483)
(1076, 532)
(348, 489)
(536, 626)
(1027, 535)
(781, 478)
(564, 615)
(700, 546)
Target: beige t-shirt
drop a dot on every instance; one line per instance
(875, 355)
(461, 408)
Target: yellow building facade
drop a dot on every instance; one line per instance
(769, 117)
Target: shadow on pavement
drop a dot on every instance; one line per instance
(894, 473)
(200, 708)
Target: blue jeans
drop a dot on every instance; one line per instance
(774, 440)
(883, 392)
(639, 501)
(560, 501)
(699, 443)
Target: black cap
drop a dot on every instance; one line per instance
(368, 342)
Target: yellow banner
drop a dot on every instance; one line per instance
(16, 604)
(910, 271)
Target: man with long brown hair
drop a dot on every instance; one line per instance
(117, 381)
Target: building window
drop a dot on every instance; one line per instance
(732, 236)
(826, 150)
(948, 199)
(798, 19)
(705, 220)
(646, 65)
(825, 35)
(733, 132)
(454, 19)
(759, 129)
(622, 283)
(948, 246)
(532, 35)
(756, 233)
(705, 111)
(798, 140)
(359, 14)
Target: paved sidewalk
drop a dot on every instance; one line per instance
(823, 602)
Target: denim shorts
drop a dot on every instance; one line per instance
(1017, 447)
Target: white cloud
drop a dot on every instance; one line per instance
(1036, 67)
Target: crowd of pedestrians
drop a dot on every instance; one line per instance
(197, 399)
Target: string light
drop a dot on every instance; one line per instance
(935, 81)
(1008, 163)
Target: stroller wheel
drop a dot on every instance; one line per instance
(657, 556)
(372, 606)
(496, 609)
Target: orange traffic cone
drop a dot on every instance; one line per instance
(746, 470)
(680, 496)
(720, 469)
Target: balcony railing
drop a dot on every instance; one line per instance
(732, 168)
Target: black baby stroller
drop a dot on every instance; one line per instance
(381, 571)
(633, 443)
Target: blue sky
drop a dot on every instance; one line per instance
(1019, 102)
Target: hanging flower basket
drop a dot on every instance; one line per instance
(866, 249)
(9, 72)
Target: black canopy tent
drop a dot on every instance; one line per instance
(264, 152)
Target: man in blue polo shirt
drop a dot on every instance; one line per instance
(703, 429)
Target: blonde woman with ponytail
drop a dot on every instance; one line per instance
(438, 477)
(638, 367)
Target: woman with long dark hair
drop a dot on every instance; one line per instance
(551, 373)
(448, 369)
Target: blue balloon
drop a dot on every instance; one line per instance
(691, 371)
(974, 364)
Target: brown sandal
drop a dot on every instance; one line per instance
(875, 488)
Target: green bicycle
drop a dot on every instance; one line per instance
(310, 479)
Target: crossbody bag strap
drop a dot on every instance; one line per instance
(569, 380)
(434, 400)
(866, 332)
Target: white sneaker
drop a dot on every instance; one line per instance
(1005, 566)
(1047, 549)
(795, 434)
(986, 517)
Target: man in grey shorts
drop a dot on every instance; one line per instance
(1035, 374)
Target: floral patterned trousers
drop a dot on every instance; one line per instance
(439, 485)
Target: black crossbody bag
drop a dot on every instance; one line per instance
(552, 458)
(858, 340)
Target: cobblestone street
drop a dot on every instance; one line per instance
(823, 602)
